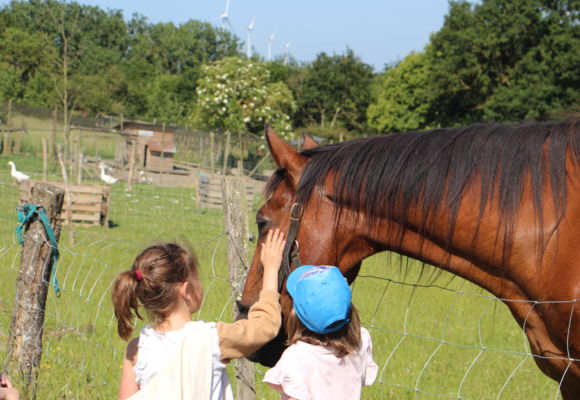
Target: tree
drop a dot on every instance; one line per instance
(402, 102)
(335, 90)
(504, 60)
(238, 95)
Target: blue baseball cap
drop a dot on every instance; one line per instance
(321, 297)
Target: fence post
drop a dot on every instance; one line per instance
(44, 160)
(226, 153)
(211, 151)
(68, 197)
(132, 157)
(236, 222)
(9, 114)
(52, 135)
(25, 340)
(7, 143)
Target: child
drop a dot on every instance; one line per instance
(175, 355)
(7, 391)
(330, 355)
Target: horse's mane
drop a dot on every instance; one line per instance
(389, 176)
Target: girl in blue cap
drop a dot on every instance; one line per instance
(330, 354)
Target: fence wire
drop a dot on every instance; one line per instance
(449, 340)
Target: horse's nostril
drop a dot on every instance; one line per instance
(242, 310)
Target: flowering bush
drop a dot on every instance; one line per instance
(238, 95)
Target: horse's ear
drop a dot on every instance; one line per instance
(285, 155)
(309, 142)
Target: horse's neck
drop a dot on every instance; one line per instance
(419, 247)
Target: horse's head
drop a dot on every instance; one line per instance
(318, 240)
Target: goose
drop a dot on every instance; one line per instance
(109, 180)
(19, 176)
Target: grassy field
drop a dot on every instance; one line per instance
(429, 342)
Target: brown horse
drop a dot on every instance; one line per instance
(496, 205)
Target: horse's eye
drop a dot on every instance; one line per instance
(261, 222)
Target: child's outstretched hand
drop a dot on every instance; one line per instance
(271, 257)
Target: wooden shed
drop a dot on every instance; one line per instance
(155, 144)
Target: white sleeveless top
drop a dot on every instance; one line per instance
(156, 347)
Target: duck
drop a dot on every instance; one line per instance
(19, 176)
(109, 180)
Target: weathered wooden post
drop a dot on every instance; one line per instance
(6, 144)
(79, 164)
(237, 234)
(44, 159)
(36, 264)
(67, 196)
(9, 113)
(211, 151)
(132, 158)
(226, 153)
(52, 135)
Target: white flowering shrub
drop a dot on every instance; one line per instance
(238, 95)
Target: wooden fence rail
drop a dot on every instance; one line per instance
(209, 190)
(90, 203)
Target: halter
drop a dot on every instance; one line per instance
(291, 254)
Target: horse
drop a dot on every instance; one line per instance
(498, 205)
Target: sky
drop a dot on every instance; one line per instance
(380, 32)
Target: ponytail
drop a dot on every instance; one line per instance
(126, 303)
(152, 282)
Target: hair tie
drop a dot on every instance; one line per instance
(138, 274)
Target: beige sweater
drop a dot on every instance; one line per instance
(245, 336)
(187, 374)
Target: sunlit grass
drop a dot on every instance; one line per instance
(429, 342)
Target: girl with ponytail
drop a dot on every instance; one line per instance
(164, 281)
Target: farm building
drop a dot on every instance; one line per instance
(155, 144)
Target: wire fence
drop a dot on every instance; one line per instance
(449, 340)
(164, 146)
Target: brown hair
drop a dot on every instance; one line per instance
(344, 341)
(152, 282)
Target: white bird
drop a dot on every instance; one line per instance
(109, 180)
(144, 178)
(19, 176)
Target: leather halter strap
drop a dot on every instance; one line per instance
(291, 254)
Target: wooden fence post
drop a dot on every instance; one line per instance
(52, 135)
(237, 234)
(211, 151)
(9, 114)
(132, 157)
(44, 160)
(67, 196)
(226, 153)
(36, 264)
(6, 144)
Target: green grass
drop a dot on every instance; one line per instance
(424, 338)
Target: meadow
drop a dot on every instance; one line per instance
(434, 335)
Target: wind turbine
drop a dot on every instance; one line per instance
(225, 17)
(286, 56)
(249, 41)
(270, 38)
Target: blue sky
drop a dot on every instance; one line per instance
(378, 31)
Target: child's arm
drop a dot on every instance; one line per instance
(129, 385)
(244, 337)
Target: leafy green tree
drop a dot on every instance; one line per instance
(504, 59)
(238, 95)
(401, 103)
(335, 91)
